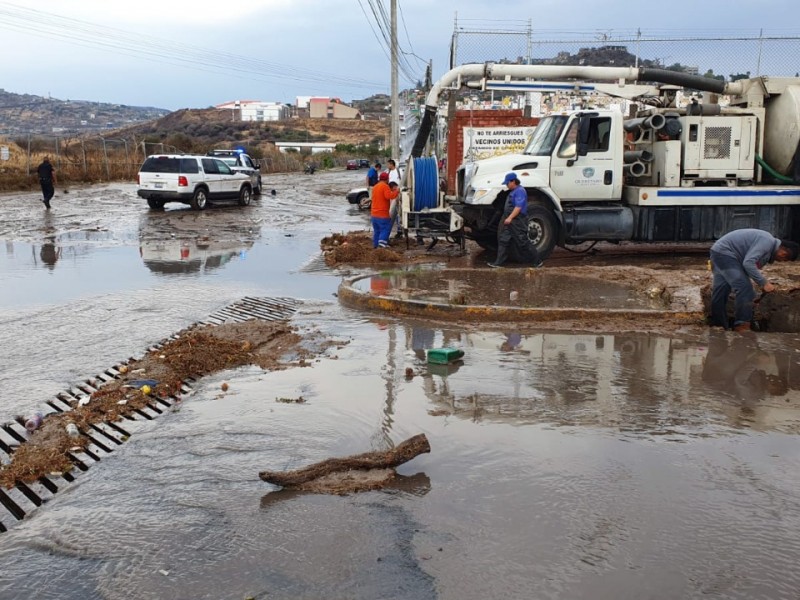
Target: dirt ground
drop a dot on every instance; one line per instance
(678, 275)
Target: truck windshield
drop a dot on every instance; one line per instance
(544, 138)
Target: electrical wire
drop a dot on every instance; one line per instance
(87, 34)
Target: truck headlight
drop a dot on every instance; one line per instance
(475, 194)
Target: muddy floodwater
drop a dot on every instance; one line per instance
(562, 465)
(505, 287)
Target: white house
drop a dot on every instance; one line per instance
(256, 110)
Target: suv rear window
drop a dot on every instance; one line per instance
(167, 164)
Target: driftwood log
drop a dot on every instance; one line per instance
(367, 461)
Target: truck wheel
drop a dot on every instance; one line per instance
(364, 201)
(200, 199)
(542, 229)
(155, 204)
(245, 194)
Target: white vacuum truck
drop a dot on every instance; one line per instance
(670, 174)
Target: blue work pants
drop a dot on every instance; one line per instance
(729, 274)
(381, 228)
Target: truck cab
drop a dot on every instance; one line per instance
(570, 158)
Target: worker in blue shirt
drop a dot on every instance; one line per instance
(736, 259)
(514, 229)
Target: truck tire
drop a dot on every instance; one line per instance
(542, 229)
(155, 204)
(245, 195)
(200, 199)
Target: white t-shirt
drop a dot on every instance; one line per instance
(394, 175)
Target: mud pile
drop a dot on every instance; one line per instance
(356, 249)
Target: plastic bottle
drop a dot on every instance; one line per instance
(33, 422)
(72, 430)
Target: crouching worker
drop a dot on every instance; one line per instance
(383, 195)
(736, 259)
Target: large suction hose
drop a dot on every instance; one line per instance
(426, 183)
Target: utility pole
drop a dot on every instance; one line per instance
(395, 137)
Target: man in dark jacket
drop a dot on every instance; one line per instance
(47, 179)
(736, 259)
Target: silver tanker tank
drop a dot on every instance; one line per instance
(782, 127)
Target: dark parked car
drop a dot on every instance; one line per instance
(352, 165)
(364, 163)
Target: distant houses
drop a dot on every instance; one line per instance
(256, 110)
(315, 107)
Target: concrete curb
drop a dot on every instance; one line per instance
(355, 298)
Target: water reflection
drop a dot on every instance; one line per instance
(182, 257)
(526, 288)
(187, 242)
(641, 385)
(49, 253)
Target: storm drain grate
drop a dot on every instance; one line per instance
(266, 309)
(18, 502)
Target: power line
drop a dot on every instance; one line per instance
(87, 34)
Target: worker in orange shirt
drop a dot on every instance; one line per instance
(383, 194)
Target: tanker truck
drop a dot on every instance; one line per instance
(671, 172)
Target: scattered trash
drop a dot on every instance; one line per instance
(33, 422)
(224, 386)
(123, 369)
(513, 296)
(164, 572)
(443, 356)
(84, 401)
(141, 383)
(123, 401)
(409, 373)
(299, 400)
(72, 430)
(146, 389)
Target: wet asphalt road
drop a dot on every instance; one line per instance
(562, 465)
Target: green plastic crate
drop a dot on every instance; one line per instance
(444, 356)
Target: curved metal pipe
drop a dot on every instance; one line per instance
(631, 156)
(656, 121)
(636, 169)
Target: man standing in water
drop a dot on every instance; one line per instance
(736, 259)
(515, 226)
(47, 179)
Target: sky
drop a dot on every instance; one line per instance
(192, 54)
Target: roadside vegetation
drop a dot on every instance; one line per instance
(117, 155)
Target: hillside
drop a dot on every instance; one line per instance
(26, 113)
(199, 128)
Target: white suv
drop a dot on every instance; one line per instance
(193, 180)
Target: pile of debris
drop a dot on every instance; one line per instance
(200, 350)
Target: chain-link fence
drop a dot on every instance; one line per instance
(78, 158)
(98, 158)
(747, 55)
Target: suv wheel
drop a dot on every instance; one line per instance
(364, 201)
(244, 195)
(155, 204)
(200, 198)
